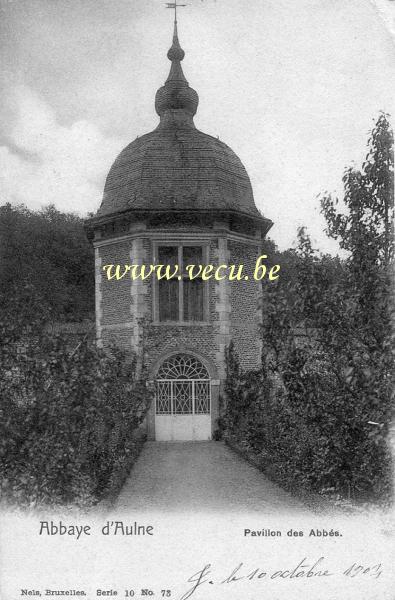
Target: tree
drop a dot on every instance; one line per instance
(366, 230)
(46, 252)
(325, 416)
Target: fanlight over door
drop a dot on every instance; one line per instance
(183, 400)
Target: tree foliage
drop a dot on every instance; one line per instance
(69, 412)
(68, 415)
(324, 407)
(47, 253)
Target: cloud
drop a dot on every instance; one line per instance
(45, 162)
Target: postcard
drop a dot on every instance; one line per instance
(196, 301)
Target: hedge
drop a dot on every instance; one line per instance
(69, 414)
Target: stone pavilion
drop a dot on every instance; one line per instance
(177, 195)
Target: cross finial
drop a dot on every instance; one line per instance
(175, 6)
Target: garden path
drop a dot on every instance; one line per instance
(205, 476)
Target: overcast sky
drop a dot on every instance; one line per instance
(292, 86)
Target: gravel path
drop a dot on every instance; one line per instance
(205, 476)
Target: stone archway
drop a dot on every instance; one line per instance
(183, 399)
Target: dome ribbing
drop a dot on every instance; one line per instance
(176, 166)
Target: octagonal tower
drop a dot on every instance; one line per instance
(179, 196)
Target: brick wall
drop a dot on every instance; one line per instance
(244, 299)
(232, 307)
(115, 295)
(198, 338)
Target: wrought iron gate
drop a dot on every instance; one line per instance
(183, 399)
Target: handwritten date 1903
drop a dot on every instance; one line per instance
(305, 569)
(356, 570)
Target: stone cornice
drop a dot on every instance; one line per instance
(179, 236)
(122, 222)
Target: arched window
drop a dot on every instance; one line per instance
(183, 366)
(183, 386)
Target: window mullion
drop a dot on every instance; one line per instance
(205, 256)
(181, 285)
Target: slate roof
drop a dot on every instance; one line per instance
(176, 166)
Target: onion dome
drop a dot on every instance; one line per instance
(176, 93)
(176, 166)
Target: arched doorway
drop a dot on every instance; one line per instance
(183, 400)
